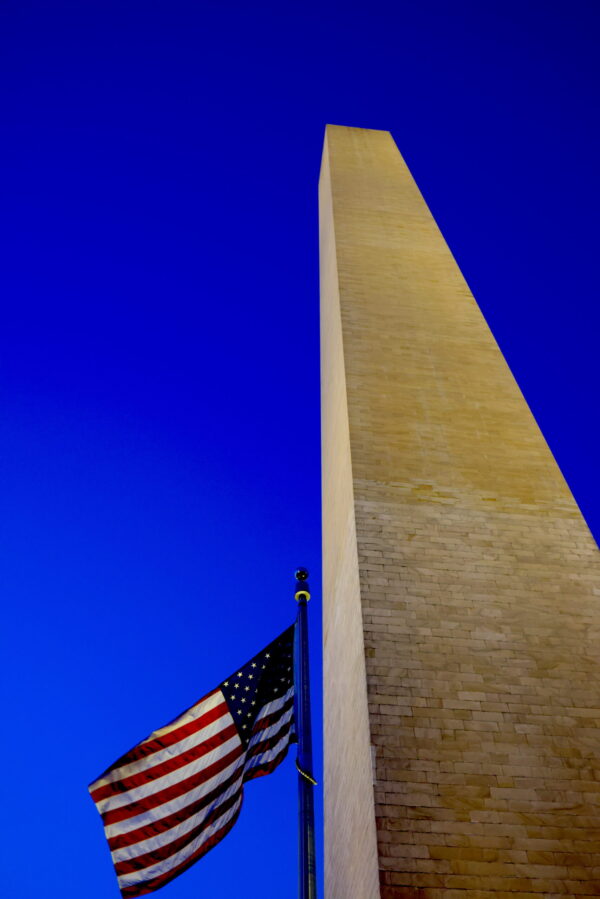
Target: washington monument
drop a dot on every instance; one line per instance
(461, 583)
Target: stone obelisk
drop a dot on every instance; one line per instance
(461, 583)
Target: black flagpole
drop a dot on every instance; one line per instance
(307, 883)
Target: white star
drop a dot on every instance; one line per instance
(267, 655)
(254, 664)
(246, 688)
(240, 674)
(249, 715)
(232, 697)
(225, 683)
(252, 703)
(239, 711)
(236, 686)
(250, 676)
(243, 727)
(243, 699)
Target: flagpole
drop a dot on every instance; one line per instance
(307, 881)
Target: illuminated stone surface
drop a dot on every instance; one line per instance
(461, 583)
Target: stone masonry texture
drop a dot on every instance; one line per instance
(461, 583)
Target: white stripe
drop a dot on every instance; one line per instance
(267, 756)
(274, 706)
(179, 857)
(199, 708)
(272, 730)
(137, 794)
(171, 752)
(156, 842)
(174, 805)
(197, 711)
(153, 843)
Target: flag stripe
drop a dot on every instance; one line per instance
(268, 720)
(267, 724)
(148, 886)
(150, 839)
(172, 864)
(270, 707)
(270, 738)
(220, 732)
(155, 792)
(174, 812)
(215, 773)
(264, 766)
(270, 752)
(163, 842)
(199, 716)
(174, 790)
(175, 853)
(265, 745)
(202, 727)
(154, 854)
(141, 889)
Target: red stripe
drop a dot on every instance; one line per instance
(172, 764)
(267, 767)
(148, 886)
(268, 720)
(147, 747)
(259, 770)
(129, 865)
(172, 792)
(269, 743)
(164, 824)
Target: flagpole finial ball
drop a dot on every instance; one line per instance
(302, 591)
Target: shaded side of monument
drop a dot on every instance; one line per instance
(461, 583)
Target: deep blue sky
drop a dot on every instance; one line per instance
(159, 348)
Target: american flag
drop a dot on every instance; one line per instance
(176, 794)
